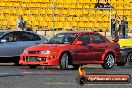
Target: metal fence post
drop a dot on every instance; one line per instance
(53, 16)
(110, 21)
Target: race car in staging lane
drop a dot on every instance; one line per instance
(73, 48)
(126, 56)
(12, 44)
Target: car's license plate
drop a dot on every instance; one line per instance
(32, 59)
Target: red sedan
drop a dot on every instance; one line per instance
(73, 48)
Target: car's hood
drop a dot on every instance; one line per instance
(46, 47)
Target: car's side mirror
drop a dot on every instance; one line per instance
(3, 40)
(78, 43)
(116, 39)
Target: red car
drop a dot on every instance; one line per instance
(73, 48)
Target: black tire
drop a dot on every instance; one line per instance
(32, 66)
(108, 61)
(129, 59)
(64, 61)
(17, 63)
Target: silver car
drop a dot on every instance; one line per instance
(12, 44)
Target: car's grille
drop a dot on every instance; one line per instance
(33, 52)
(31, 59)
(34, 59)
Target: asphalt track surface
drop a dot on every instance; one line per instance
(51, 77)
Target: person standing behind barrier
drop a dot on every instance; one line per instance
(114, 25)
(119, 28)
(107, 4)
(20, 23)
(124, 27)
(98, 4)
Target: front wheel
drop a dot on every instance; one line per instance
(16, 63)
(64, 61)
(108, 61)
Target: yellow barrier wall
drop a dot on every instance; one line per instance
(125, 42)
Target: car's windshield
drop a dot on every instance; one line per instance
(1, 33)
(63, 38)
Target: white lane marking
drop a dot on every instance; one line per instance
(28, 72)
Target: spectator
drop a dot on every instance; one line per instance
(107, 4)
(114, 25)
(98, 4)
(119, 28)
(124, 27)
(21, 23)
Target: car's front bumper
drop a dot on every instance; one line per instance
(38, 59)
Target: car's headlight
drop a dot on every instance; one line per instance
(25, 51)
(45, 52)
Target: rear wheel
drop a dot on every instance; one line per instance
(64, 61)
(129, 59)
(32, 66)
(108, 62)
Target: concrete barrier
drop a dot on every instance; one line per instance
(125, 42)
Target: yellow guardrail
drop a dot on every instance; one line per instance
(125, 42)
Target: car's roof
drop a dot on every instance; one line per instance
(79, 32)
